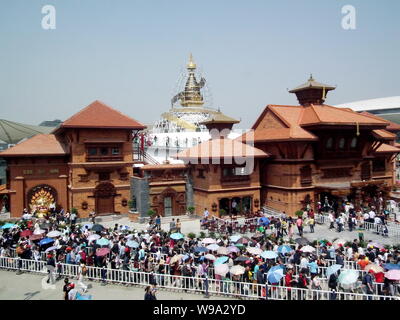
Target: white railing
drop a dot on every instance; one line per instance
(191, 284)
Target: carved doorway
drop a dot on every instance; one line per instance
(104, 194)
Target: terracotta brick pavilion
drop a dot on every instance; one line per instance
(320, 151)
(86, 163)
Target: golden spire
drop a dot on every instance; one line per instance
(191, 64)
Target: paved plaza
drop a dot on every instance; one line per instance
(28, 286)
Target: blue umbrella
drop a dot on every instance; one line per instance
(177, 236)
(269, 255)
(88, 225)
(132, 244)
(220, 260)
(284, 249)
(8, 226)
(264, 221)
(46, 241)
(275, 276)
(274, 268)
(200, 249)
(234, 238)
(332, 269)
(391, 266)
(83, 297)
(102, 242)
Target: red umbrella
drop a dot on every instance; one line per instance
(25, 233)
(102, 252)
(35, 237)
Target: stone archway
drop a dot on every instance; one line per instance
(104, 195)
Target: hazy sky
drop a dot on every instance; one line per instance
(129, 54)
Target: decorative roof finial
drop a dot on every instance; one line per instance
(191, 64)
(311, 77)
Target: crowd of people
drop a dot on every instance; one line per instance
(159, 252)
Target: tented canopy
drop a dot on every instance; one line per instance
(13, 132)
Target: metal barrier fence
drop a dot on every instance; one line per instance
(390, 229)
(192, 284)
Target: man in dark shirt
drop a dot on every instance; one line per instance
(51, 265)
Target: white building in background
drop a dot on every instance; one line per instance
(181, 127)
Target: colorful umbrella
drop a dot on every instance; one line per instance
(374, 267)
(97, 228)
(233, 249)
(275, 276)
(243, 241)
(224, 250)
(269, 255)
(46, 241)
(213, 247)
(393, 275)
(102, 242)
(264, 221)
(221, 269)
(241, 259)
(34, 237)
(210, 257)
(375, 245)
(39, 231)
(93, 237)
(302, 241)
(88, 225)
(237, 270)
(102, 252)
(50, 249)
(391, 266)
(176, 258)
(54, 234)
(284, 249)
(348, 278)
(220, 260)
(177, 236)
(200, 249)
(338, 243)
(254, 250)
(333, 269)
(308, 249)
(25, 233)
(209, 241)
(234, 238)
(239, 245)
(132, 244)
(8, 225)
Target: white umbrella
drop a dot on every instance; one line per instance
(236, 270)
(210, 257)
(254, 250)
(213, 247)
(39, 231)
(223, 250)
(348, 278)
(51, 249)
(308, 249)
(339, 242)
(54, 234)
(209, 241)
(221, 269)
(93, 237)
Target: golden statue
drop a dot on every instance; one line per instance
(40, 202)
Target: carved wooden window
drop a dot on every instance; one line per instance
(365, 171)
(342, 142)
(200, 173)
(379, 164)
(305, 176)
